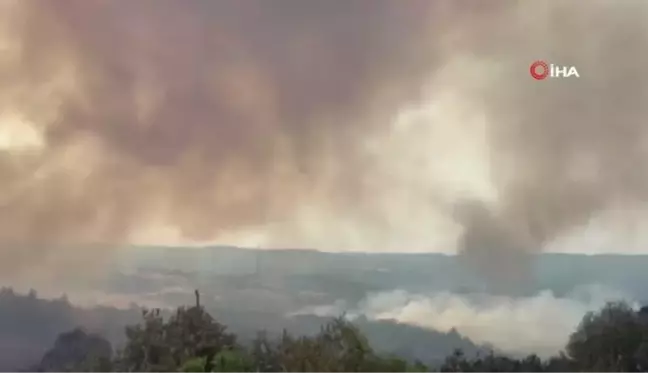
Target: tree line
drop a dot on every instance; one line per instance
(615, 338)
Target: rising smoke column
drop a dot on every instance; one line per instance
(567, 151)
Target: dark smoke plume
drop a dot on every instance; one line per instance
(289, 118)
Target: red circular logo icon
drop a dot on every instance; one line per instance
(539, 70)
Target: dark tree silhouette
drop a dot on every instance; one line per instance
(76, 351)
(612, 339)
(159, 345)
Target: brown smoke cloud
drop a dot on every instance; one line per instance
(209, 116)
(288, 117)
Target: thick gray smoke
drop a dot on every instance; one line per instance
(334, 124)
(565, 151)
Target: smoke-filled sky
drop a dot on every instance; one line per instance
(340, 125)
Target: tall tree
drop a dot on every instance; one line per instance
(612, 339)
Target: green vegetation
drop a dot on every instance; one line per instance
(191, 340)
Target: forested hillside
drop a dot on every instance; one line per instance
(190, 339)
(29, 325)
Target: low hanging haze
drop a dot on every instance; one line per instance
(372, 125)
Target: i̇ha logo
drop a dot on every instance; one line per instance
(541, 70)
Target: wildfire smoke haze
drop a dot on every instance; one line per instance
(355, 125)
